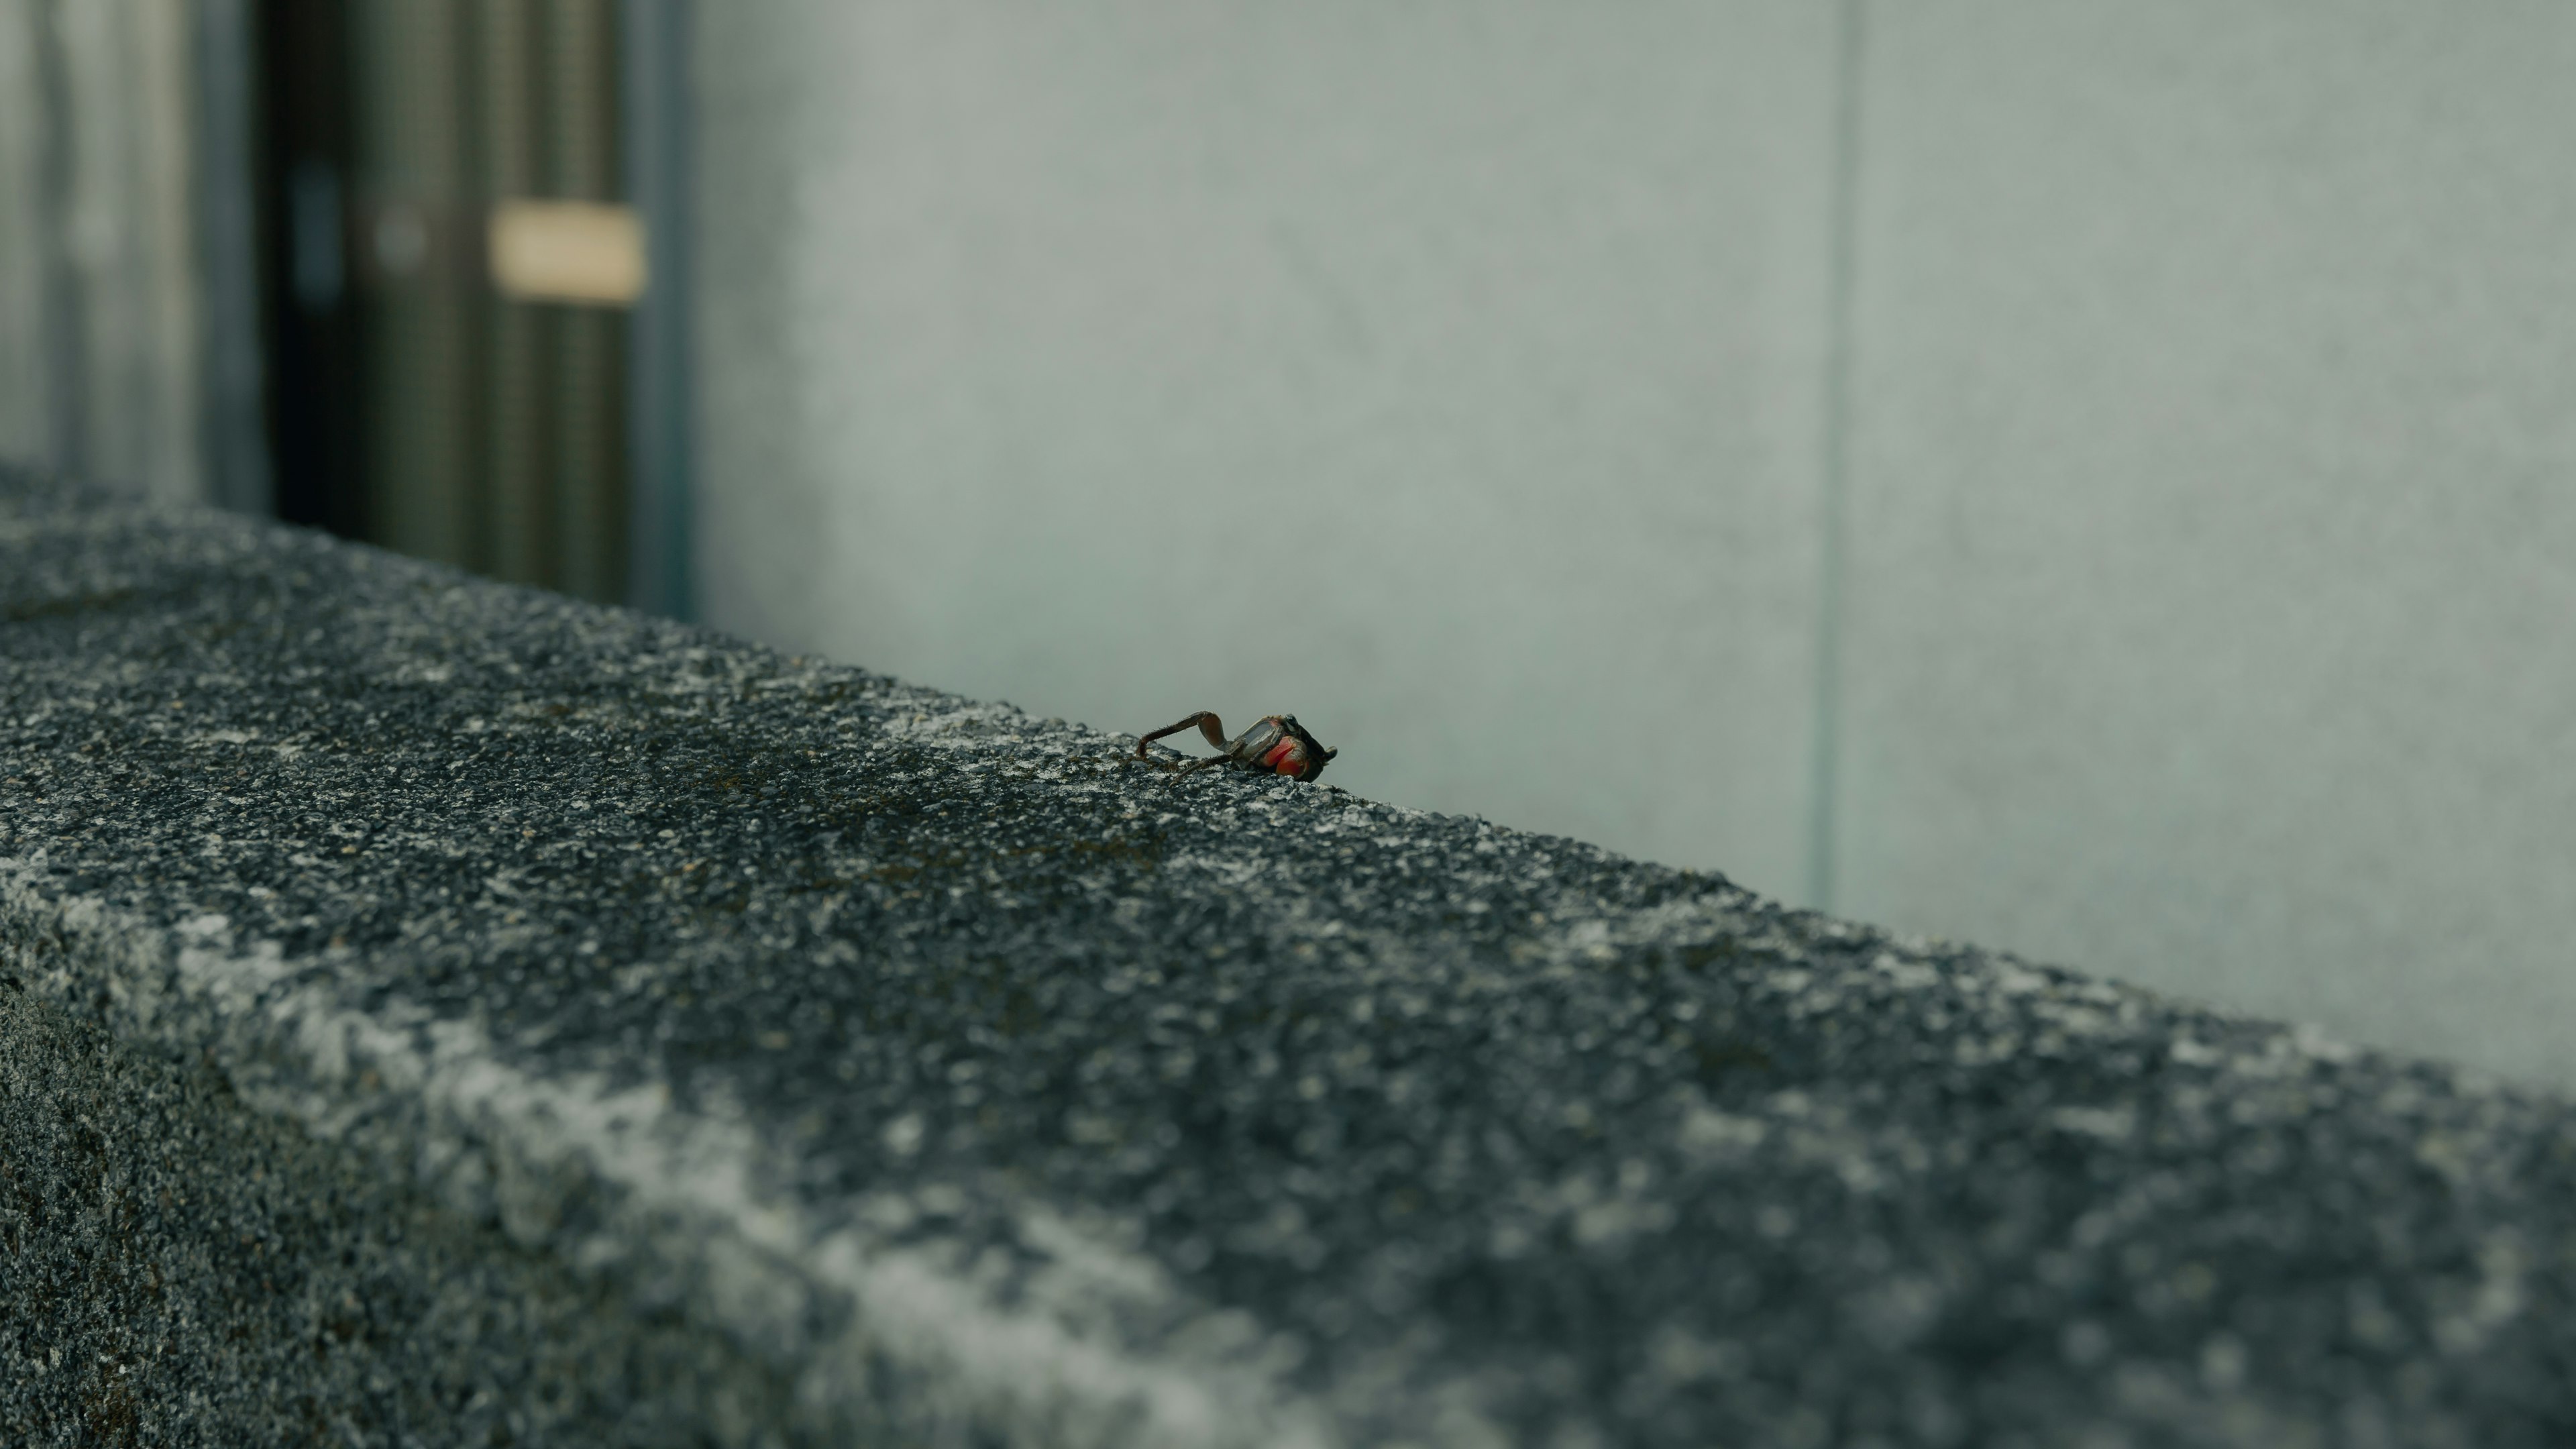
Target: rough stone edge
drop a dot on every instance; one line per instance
(671, 1205)
(199, 1344)
(830, 1304)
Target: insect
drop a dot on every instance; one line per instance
(1277, 745)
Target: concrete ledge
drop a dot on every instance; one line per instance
(439, 1012)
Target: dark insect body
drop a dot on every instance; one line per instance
(1276, 746)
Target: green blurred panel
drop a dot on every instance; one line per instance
(415, 251)
(492, 426)
(580, 102)
(520, 525)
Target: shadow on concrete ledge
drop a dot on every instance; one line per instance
(438, 1012)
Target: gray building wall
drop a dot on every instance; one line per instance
(23, 241)
(2089, 478)
(128, 343)
(1449, 377)
(2214, 504)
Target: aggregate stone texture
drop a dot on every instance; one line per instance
(182, 1269)
(437, 1012)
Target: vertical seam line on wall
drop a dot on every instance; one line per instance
(1825, 749)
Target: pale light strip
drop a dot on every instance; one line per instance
(567, 251)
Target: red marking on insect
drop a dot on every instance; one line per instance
(1277, 745)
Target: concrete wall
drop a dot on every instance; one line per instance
(2214, 511)
(1449, 381)
(22, 240)
(2102, 492)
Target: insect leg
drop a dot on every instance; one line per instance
(1205, 719)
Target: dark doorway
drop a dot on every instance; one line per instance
(447, 267)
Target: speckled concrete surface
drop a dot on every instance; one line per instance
(182, 1269)
(960, 1081)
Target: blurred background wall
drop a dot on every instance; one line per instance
(128, 345)
(2093, 479)
(468, 339)
(373, 265)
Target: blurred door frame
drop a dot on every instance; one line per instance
(432, 389)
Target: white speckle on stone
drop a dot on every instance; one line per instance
(2113, 1124)
(1712, 1134)
(2017, 980)
(1903, 974)
(2190, 1052)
